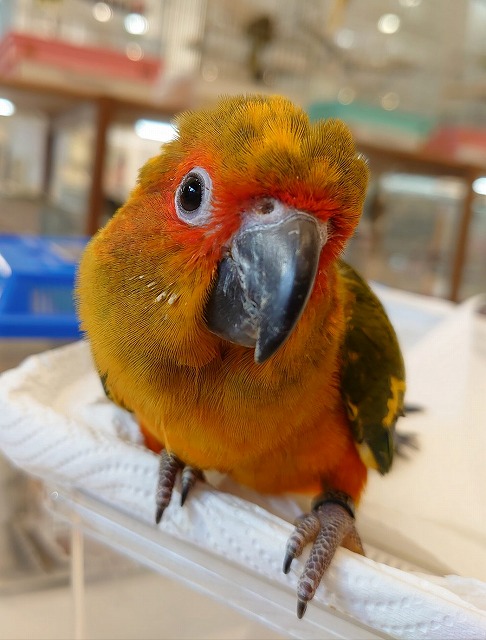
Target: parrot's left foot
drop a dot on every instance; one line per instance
(330, 524)
(169, 467)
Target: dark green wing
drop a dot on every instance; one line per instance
(373, 375)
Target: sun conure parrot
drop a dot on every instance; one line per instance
(219, 312)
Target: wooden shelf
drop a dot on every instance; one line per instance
(421, 160)
(54, 100)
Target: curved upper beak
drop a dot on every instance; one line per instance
(266, 277)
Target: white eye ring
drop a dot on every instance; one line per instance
(193, 197)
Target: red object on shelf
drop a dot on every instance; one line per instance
(462, 143)
(16, 48)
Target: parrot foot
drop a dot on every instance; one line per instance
(330, 524)
(189, 477)
(169, 467)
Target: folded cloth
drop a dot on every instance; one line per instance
(57, 424)
(439, 497)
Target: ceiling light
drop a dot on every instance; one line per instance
(210, 72)
(136, 24)
(345, 38)
(154, 130)
(102, 12)
(389, 23)
(134, 51)
(390, 101)
(479, 186)
(346, 95)
(7, 107)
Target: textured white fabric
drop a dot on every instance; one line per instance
(56, 423)
(439, 499)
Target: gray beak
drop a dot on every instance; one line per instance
(266, 277)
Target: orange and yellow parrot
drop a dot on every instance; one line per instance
(219, 312)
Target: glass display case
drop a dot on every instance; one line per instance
(408, 232)
(474, 278)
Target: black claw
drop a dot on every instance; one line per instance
(189, 477)
(301, 608)
(184, 492)
(287, 562)
(159, 513)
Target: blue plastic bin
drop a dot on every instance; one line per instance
(36, 286)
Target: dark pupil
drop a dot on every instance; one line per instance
(191, 194)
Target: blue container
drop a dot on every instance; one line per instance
(36, 286)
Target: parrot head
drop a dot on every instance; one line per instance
(234, 225)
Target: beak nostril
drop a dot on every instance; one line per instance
(266, 206)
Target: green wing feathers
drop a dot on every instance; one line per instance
(373, 375)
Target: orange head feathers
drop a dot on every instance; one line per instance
(259, 146)
(155, 266)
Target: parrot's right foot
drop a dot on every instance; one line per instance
(330, 524)
(169, 467)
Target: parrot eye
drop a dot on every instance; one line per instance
(191, 194)
(193, 197)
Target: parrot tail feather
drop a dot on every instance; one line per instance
(404, 442)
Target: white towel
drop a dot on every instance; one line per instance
(56, 423)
